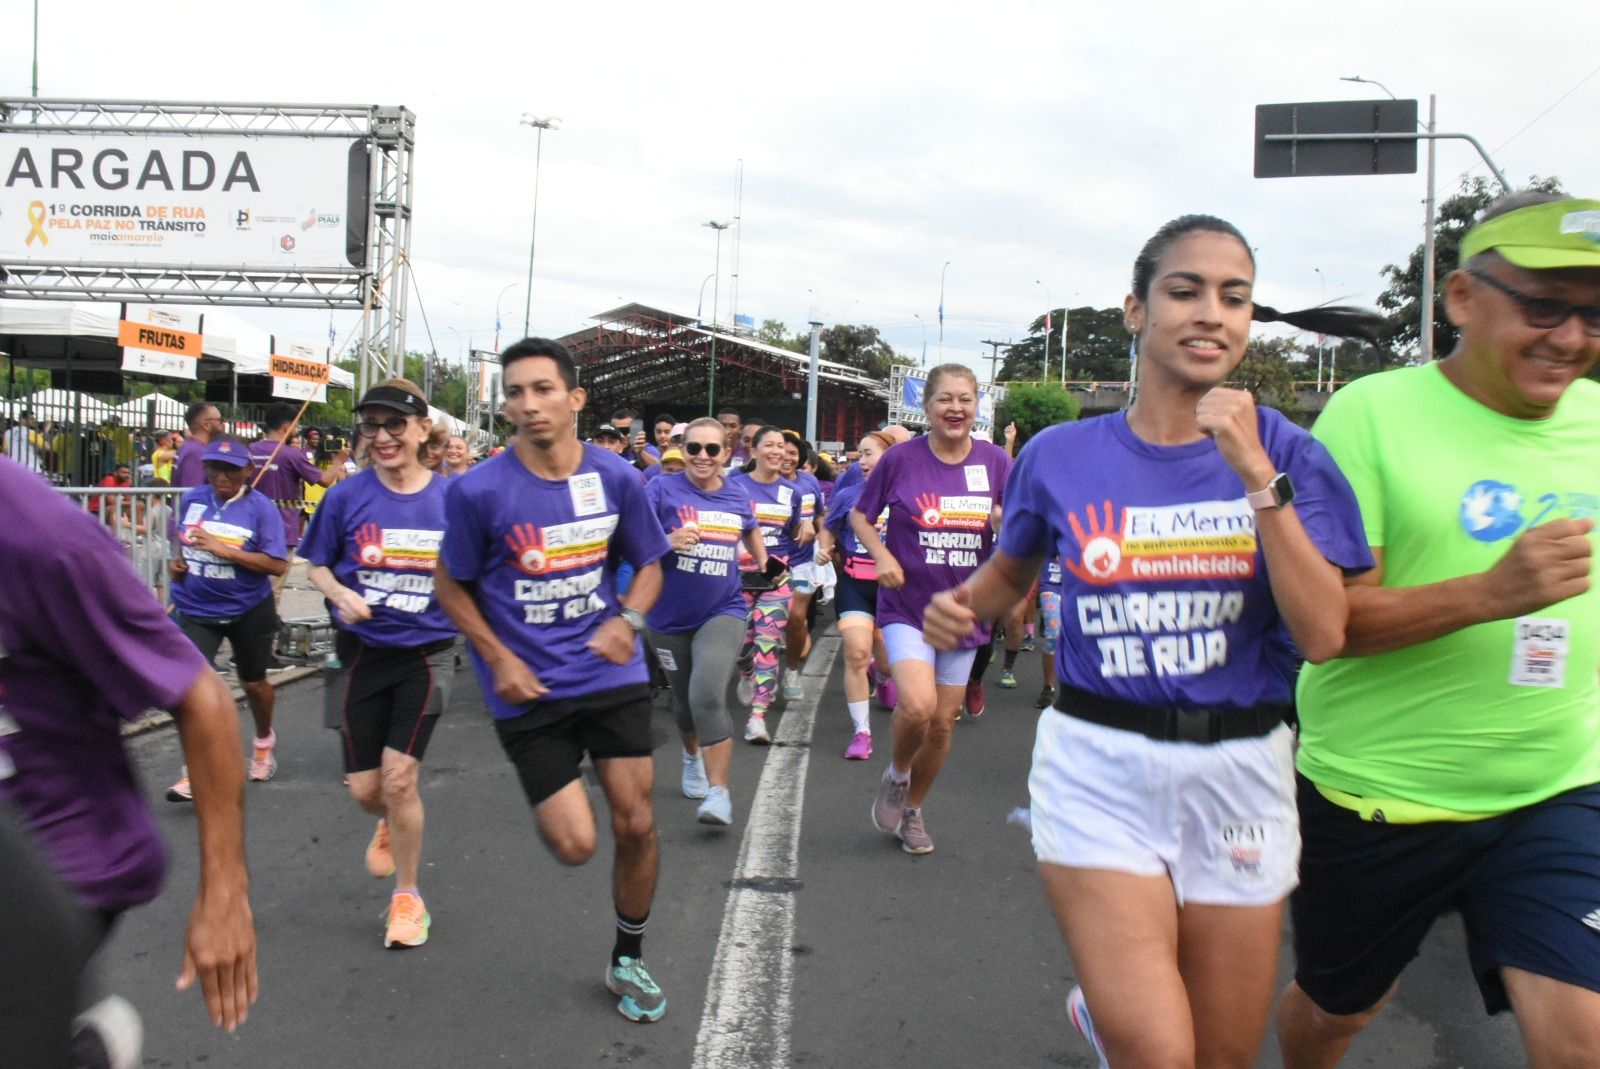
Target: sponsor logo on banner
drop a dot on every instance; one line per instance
(159, 343)
(1199, 540)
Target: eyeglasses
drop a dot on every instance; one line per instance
(710, 449)
(1545, 313)
(395, 425)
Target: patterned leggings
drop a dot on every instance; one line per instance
(769, 614)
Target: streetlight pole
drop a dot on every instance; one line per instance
(1322, 298)
(711, 389)
(1426, 297)
(497, 301)
(811, 379)
(701, 303)
(942, 270)
(1049, 306)
(541, 125)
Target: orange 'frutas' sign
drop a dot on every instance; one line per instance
(132, 335)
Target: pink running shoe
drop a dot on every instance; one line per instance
(860, 747)
(888, 697)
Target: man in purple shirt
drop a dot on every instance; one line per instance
(284, 471)
(205, 423)
(73, 669)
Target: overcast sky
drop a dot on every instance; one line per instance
(1018, 141)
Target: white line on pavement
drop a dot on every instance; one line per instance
(748, 1011)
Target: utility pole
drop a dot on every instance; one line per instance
(994, 356)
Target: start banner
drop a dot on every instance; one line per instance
(217, 201)
(160, 341)
(300, 374)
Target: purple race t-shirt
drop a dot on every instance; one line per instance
(187, 468)
(543, 554)
(384, 545)
(849, 477)
(1165, 595)
(83, 647)
(215, 588)
(939, 522)
(810, 505)
(852, 555)
(284, 482)
(777, 509)
(704, 581)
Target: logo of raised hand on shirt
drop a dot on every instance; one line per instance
(689, 516)
(369, 545)
(928, 514)
(527, 549)
(1101, 546)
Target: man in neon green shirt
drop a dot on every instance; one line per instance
(1449, 760)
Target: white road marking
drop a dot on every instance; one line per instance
(748, 1011)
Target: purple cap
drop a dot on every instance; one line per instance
(226, 451)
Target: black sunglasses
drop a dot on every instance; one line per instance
(1544, 313)
(395, 425)
(694, 448)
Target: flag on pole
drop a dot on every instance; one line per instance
(333, 336)
(941, 311)
(497, 330)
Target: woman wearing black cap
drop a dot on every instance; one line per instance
(372, 547)
(230, 544)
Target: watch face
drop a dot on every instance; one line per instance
(1283, 489)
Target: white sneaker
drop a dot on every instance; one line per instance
(746, 690)
(1078, 1010)
(694, 776)
(792, 690)
(755, 730)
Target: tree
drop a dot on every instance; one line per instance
(1033, 407)
(1097, 347)
(1403, 297)
(1267, 372)
(773, 332)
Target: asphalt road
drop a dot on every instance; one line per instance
(882, 959)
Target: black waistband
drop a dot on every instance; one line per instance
(1170, 723)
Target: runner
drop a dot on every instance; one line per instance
(943, 493)
(699, 619)
(776, 504)
(1451, 763)
(1162, 802)
(557, 654)
(85, 650)
(205, 423)
(373, 547)
(1049, 592)
(457, 455)
(230, 542)
(285, 472)
(805, 566)
(856, 601)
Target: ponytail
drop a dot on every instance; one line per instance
(1341, 321)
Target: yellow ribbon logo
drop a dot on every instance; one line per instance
(36, 222)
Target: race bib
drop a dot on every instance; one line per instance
(1539, 652)
(785, 496)
(196, 513)
(668, 661)
(977, 479)
(588, 495)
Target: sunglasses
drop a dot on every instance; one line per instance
(395, 425)
(1545, 313)
(710, 449)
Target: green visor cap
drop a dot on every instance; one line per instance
(1540, 237)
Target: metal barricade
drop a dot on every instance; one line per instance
(141, 519)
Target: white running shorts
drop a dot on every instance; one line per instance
(951, 668)
(1219, 819)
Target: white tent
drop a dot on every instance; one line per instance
(135, 411)
(48, 404)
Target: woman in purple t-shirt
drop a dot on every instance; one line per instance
(776, 504)
(1163, 789)
(856, 600)
(698, 621)
(943, 493)
(373, 547)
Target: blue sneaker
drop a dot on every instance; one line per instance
(694, 776)
(1008, 680)
(639, 997)
(1078, 1010)
(717, 808)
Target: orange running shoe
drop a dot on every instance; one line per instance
(380, 861)
(408, 920)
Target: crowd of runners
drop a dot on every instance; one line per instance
(1353, 673)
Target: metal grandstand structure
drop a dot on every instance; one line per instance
(653, 359)
(378, 286)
